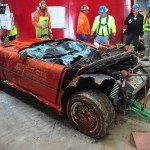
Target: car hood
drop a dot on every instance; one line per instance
(105, 62)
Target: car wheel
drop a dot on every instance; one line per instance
(91, 112)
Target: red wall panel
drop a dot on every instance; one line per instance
(22, 10)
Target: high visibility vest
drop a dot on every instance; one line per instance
(146, 24)
(83, 26)
(43, 20)
(13, 31)
(103, 28)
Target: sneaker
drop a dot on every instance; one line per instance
(145, 59)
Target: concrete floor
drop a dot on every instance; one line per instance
(27, 124)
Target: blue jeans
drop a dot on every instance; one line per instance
(147, 44)
(132, 37)
(85, 39)
(102, 39)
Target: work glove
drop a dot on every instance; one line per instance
(130, 21)
(50, 34)
(114, 38)
(91, 37)
(83, 36)
(43, 27)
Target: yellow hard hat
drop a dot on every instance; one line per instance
(43, 4)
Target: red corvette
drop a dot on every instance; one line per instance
(69, 75)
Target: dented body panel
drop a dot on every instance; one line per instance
(53, 70)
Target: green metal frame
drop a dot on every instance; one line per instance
(139, 110)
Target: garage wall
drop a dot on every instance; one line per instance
(22, 10)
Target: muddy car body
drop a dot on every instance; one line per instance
(76, 77)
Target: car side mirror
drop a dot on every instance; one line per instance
(23, 55)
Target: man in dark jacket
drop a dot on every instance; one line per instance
(134, 29)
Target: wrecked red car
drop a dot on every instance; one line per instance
(86, 82)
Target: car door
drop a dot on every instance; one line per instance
(35, 76)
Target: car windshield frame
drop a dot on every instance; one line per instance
(65, 52)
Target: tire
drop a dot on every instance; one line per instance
(91, 112)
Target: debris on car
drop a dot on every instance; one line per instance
(87, 82)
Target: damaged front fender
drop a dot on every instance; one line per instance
(101, 82)
(86, 79)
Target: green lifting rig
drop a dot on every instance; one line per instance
(140, 110)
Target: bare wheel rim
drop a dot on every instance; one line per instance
(84, 117)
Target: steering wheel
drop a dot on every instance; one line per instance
(48, 55)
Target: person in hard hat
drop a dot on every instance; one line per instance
(8, 35)
(134, 22)
(42, 22)
(146, 28)
(83, 26)
(12, 34)
(103, 26)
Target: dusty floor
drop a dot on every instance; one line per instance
(27, 124)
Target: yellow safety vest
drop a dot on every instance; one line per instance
(13, 31)
(146, 24)
(42, 32)
(104, 26)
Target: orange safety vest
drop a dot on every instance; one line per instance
(83, 26)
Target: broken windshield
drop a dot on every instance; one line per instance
(62, 52)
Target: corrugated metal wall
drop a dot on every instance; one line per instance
(22, 10)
